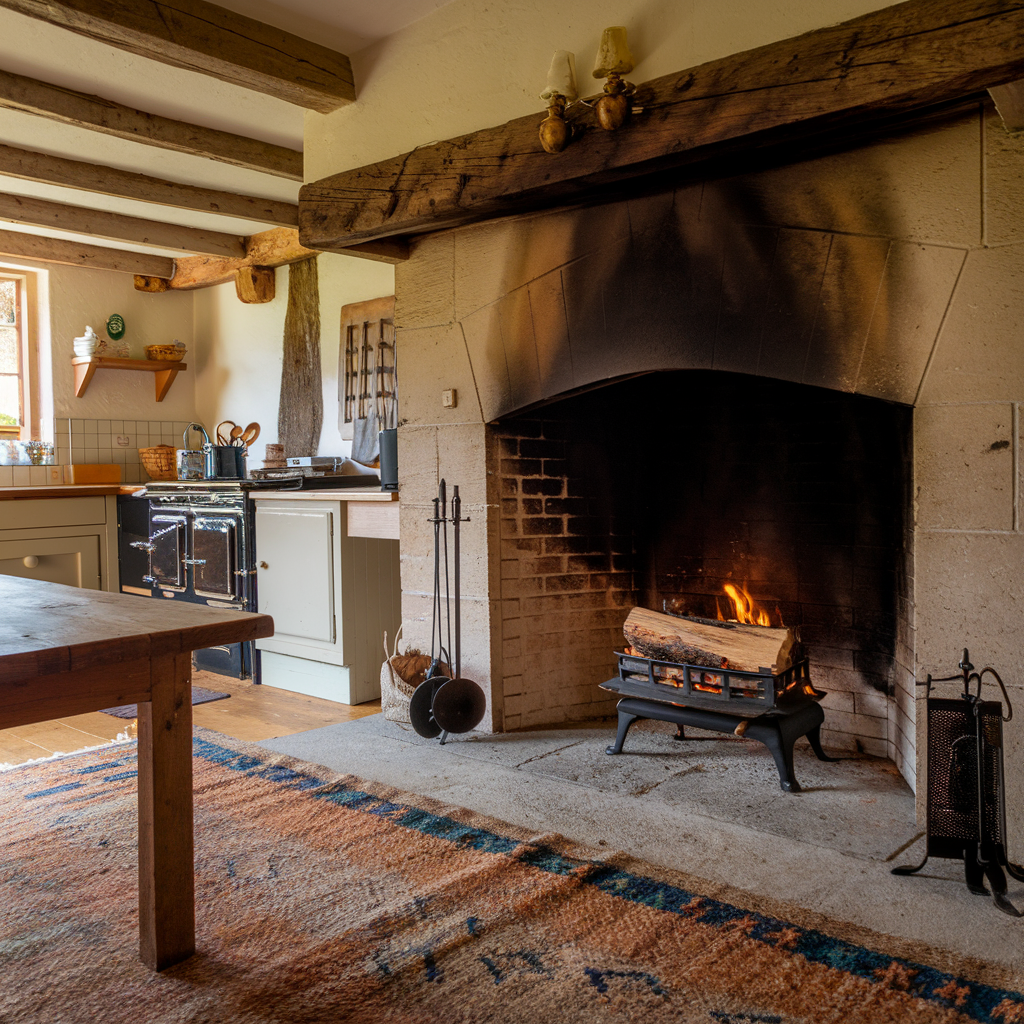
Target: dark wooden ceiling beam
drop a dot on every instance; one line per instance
(111, 181)
(116, 227)
(79, 254)
(82, 110)
(199, 36)
(892, 61)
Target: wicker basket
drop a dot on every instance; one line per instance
(158, 462)
(165, 353)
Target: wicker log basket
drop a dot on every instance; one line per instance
(158, 462)
(399, 676)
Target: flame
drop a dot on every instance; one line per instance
(745, 608)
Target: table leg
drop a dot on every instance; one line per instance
(166, 866)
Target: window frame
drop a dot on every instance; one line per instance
(26, 377)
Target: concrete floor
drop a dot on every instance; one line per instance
(710, 806)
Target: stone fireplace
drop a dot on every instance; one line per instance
(840, 336)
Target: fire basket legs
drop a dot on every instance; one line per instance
(778, 731)
(625, 721)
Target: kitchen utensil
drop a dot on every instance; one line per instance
(235, 437)
(224, 437)
(224, 461)
(251, 432)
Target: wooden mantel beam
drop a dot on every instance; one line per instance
(892, 61)
(112, 181)
(100, 115)
(200, 36)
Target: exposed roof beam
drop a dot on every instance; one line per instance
(117, 227)
(97, 114)
(199, 36)
(267, 249)
(263, 251)
(78, 254)
(111, 181)
(893, 61)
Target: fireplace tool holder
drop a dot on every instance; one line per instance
(966, 808)
(444, 704)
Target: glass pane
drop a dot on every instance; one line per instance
(8, 302)
(10, 400)
(9, 349)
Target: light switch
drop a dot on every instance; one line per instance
(449, 398)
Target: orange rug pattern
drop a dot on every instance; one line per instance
(325, 898)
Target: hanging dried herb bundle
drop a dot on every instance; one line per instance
(301, 412)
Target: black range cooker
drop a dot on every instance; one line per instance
(195, 541)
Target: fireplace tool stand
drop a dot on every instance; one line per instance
(444, 704)
(966, 812)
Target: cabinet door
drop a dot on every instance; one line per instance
(295, 556)
(73, 561)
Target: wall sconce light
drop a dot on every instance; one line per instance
(561, 89)
(613, 61)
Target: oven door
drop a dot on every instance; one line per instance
(215, 557)
(167, 551)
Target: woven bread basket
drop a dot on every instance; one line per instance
(158, 462)
(165, 353)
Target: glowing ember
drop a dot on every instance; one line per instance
(745, 608)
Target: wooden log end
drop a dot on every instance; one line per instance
(151, 284)
(255, 285)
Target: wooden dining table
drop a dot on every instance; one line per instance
(65, 651)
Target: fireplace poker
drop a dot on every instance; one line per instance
(459, 704)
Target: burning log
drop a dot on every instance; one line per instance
(693, 641)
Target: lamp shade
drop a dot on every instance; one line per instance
(613, 57)
(561, 76)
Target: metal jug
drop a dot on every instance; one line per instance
(191, 460)
(224, 461)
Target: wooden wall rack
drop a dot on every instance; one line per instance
(164, 369)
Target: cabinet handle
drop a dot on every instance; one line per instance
(30, 561)
(263, 565)
(142, 545)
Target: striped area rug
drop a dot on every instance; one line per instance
(323, 898)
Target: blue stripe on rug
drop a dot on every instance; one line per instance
(814, 946)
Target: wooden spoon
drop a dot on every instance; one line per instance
(222, 438)
(236, 437)
(251, 432)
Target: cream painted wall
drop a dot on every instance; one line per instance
(473, 64)
(239, 348)
(76, 297)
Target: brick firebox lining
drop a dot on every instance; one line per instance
(671, 485)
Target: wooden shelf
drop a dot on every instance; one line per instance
(165, 371)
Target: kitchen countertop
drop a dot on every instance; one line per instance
(327, 494)
(66, 491)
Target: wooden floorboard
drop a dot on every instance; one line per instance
(250, 713)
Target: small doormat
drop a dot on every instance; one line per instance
(200, 695)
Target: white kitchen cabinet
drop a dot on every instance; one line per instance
(331, 595)
(69, 540)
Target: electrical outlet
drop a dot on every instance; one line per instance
(449, 398)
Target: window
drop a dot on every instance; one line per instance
(12, 374)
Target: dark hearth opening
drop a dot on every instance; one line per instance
(662, 489)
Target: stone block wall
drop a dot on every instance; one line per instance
(894, 270)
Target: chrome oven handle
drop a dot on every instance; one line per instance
(142, 545)
(193, 561)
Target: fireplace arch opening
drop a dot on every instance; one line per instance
(664, 490)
